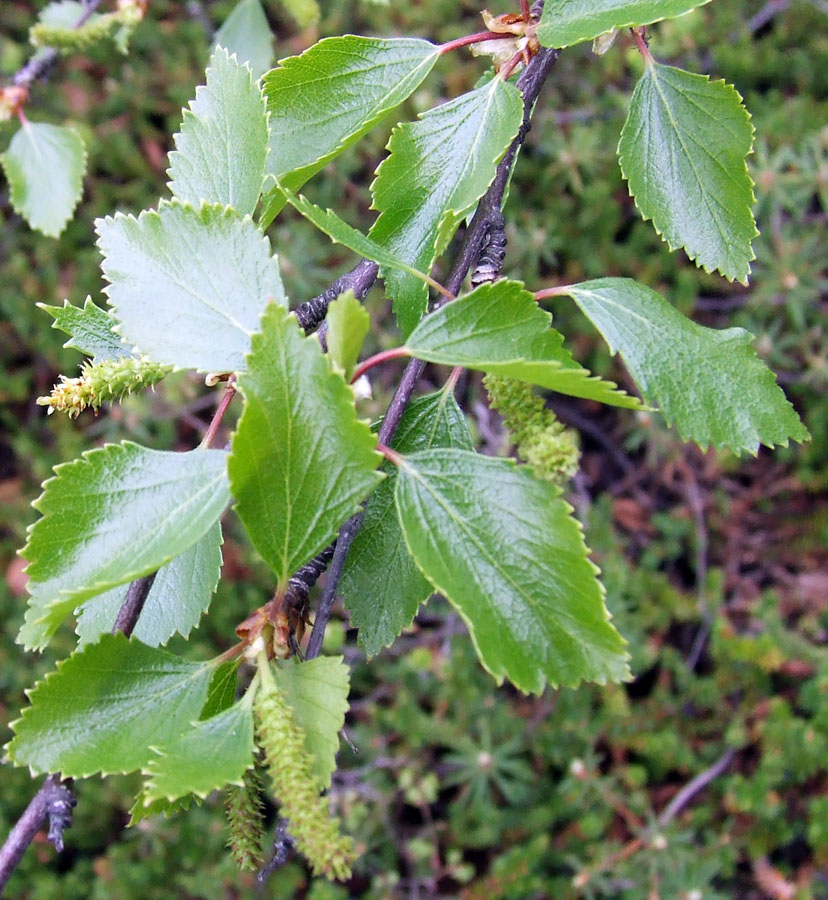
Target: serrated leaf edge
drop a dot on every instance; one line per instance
(674, 247)
(500, 676)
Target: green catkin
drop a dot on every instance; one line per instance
(547, 446)
(73, 40)
(245, 819)
(315, 831)
(99, 382)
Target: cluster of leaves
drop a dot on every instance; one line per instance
(449, 338)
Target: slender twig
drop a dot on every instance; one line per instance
(136, 597)
(360, 280)
(375, 360)
(225, 401)
(471, 39)
(54, 801)
(699, 783)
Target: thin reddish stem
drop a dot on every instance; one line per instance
(506, 71)
(213, 427)
(390, 455)
(377, 358)
(641, 42)
(559, 291)
(524, 10)
(451, 381)
(470, 39)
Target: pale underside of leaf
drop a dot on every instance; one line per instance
(707, 382)
(246, 33)
(567, 22)
(113, 515)
(189, 286)
(683, 150)
(504, 548)
(44, 166)
(223, 143)
(179, 596)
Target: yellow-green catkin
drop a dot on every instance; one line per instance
(548, 447)
(73, 40)
(311, 824)
(99, 382)
(245, 819)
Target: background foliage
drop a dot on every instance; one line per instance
(460, 788)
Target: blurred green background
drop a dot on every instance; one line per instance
(716, 568)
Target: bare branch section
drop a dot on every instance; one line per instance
(359, 280)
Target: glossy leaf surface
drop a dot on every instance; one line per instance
(246, 33)
(44, 166)
(102, 709)
(301, 460)
(113, 515)
(213, 753)
(707, 382)
(683, 150)
(317, 692)
(222, 146)
(505, 550)
(381, 584)
(90, 329)
(189, 287)
(437, 170)
(325, 100)
(567, 22)
(179, 596)
(500, 328)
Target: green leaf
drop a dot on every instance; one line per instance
(324, 101)
(683, 150)
(91, 329)
(709, 382)
(189, 287)
(348, 324)
(246, 33)
(567, 22)
(505, 550)
(222, 146)
(102, 709)
(437, 170)
(181, 592)
(113, 515)
(222, 691)
(317, 692)
(213, 753)
(44, 166)
(301, 460)
(500, 328)
(138, 812)
(381, 584)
